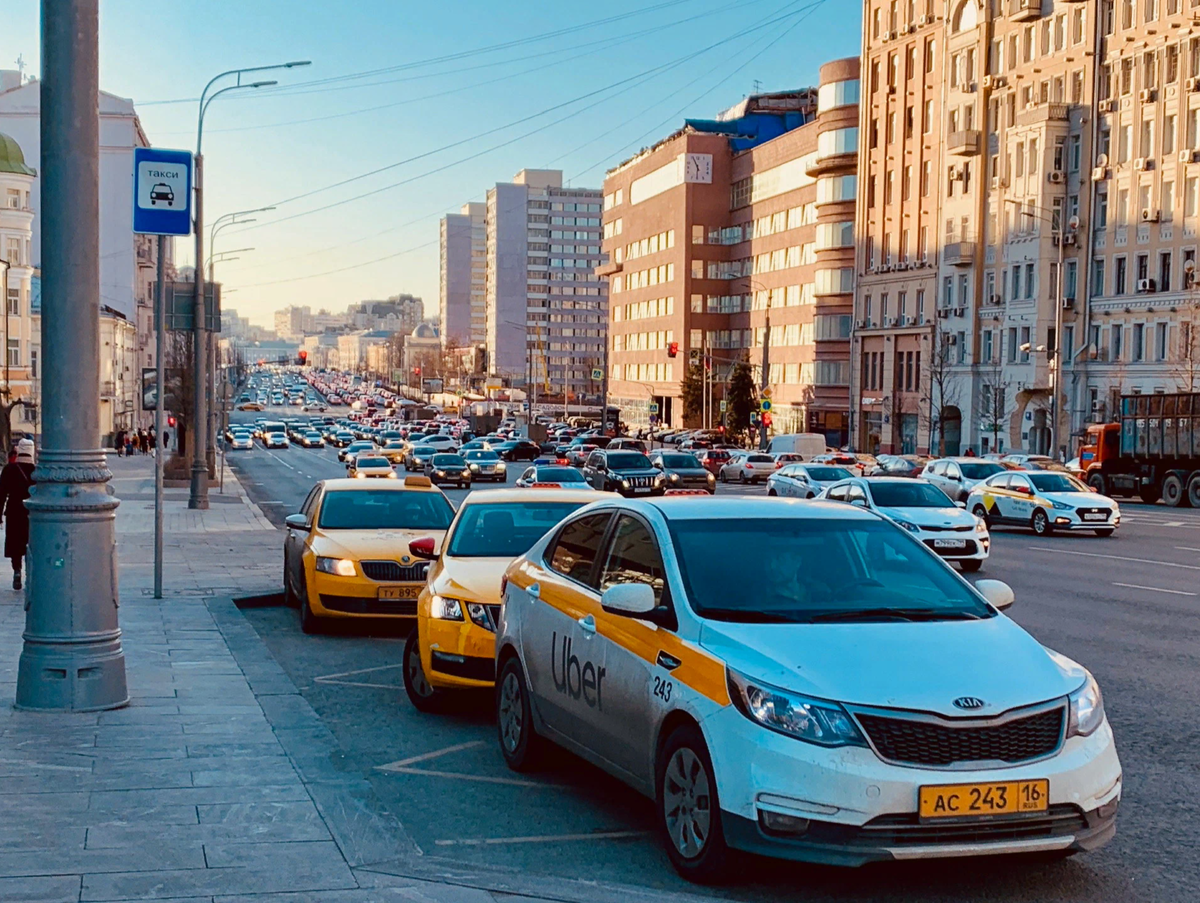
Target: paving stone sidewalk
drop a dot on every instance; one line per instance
(218, 782)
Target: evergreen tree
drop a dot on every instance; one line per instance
(741, 398)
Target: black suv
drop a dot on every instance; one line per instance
(627, 472)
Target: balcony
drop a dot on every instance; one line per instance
(959, 253)
(964, 143)
(609, 269)
(1025, 10)
(820, 165)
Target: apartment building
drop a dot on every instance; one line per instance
(1028, 215)
(463, 301)
(732, 240)
(546, 309)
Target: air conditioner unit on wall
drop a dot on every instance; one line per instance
(1143, 163)
(1145, 286)
(1149, 216)
(1187, 156)
(1100, 174)
(1105, 106)
(1056, 177)
(1149, 95)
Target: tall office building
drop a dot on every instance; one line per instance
(464, 276)
(731, 241)
(1028, 214)
(547, 311)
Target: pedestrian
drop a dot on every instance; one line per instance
(15, 480)
(970, 453)
(120, 443)
(143, 442)
(129, 444)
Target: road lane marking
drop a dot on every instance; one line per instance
(337, 678)
(1186, 549)
(1167, 564)
(404, 766)
(437, 753)
(540, 838)
(1154, 589)
(358, 671)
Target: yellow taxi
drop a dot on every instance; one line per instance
(346, 552)
(395, 450)
(453, 644)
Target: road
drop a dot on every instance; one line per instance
(1127, 607)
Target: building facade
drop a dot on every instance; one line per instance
(22, 323)
(546, 309)
(1027, 225)
(463, 298)
(731, 241)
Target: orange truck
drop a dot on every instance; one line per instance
(1152, 452)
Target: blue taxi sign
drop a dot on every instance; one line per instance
(162, 191)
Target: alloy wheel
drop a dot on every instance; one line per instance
(511, 717)
(687, 799)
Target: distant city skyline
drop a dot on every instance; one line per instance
(463, 123)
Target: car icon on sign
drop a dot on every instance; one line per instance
(161, 191)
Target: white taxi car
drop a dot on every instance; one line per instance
(863, 703)
(1044, 501)
(923, 510)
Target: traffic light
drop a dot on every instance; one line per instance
(171, 421)
(766, 419)
(721, 429)
(673, 350)
(303, 357)
(416, 371)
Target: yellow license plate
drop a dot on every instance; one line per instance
(399, 592)
(976, 800)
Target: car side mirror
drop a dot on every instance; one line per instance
(658, 464)
(425, 548)
(998, 593)
(858, 503)
(633, 600)
(297, 522)
(960, 504)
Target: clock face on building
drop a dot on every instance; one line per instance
(698, 168)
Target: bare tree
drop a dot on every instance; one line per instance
(993, 393)
(943, 384)
(1185, 362)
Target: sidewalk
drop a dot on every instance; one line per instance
(218, 782)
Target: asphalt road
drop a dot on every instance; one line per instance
(1126, 606)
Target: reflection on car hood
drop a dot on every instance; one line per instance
(698, 472)
(923, 666)
(471, 579)
(931, 517)
(390, 545)
(1080, 499)
(634, 471)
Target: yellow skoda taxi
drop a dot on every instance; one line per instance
(346, 552)
(453, 645)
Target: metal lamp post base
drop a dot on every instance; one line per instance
(72, 659)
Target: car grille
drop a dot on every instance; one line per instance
(1104, 511)
(1062, 820)
(640, 481)
(966, 529)
(917, 741)
(362, 605)
(394, 571)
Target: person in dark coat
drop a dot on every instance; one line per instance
(15, 480)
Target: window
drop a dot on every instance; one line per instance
(1160, 341)
(633, 557)
(1137, 347)
(577, 545)
(1120, 276)
(14, 352)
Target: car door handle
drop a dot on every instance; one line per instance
(588, 623)
(669, 662)
(534, 591)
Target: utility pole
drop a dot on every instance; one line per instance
(766, 371)
(72, 658)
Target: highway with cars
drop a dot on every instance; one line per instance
(1125, 606)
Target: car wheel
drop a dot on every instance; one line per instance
(772, 492)
(290, 599)
(1097, 482)
(971, 565)
(309, 622)
(981, 512)
(423, 695)
(1149, 494)
(523, 749)
(742, 477)
(689, 814)
(1041, 523)
(1106, 531)
(721, 476)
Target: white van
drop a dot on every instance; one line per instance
(809, 445)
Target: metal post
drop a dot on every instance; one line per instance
(1055, 352)
(160, 341)
(766, 372)
(72, 658)
(198, 496)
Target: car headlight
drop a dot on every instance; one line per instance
(466, 473)
(441, 473)
(500, 465)
(360, 475)
(339, 567)
(980, 525)
(479, 616)
(911, 528)
(1087, 709)
(392, 474)
(661, 479)
(712, 478)
(811, 720)
(624, 484)
(1062, 506)
(474, 467)
(444, 609)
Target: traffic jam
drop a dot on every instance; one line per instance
(591, 594)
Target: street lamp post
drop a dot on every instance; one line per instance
(198, 496)
(72, 659)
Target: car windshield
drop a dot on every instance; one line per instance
(827, 474)
(558, 475)
(382, 510)
(814, 570)
(623, 460)
(360, 445)
(362, 462)
(505, 530)
(909, 494)
(680, 462)
(1053, 482)
(979, 470)
(448, 461)
(482, 456)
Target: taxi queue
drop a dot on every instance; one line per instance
(804, 719)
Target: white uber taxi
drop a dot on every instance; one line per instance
(923, 510)
(858, 702)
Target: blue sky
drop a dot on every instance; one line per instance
(659, 62)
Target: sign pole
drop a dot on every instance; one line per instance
(160, 332)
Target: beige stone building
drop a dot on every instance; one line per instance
(1029, 205)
